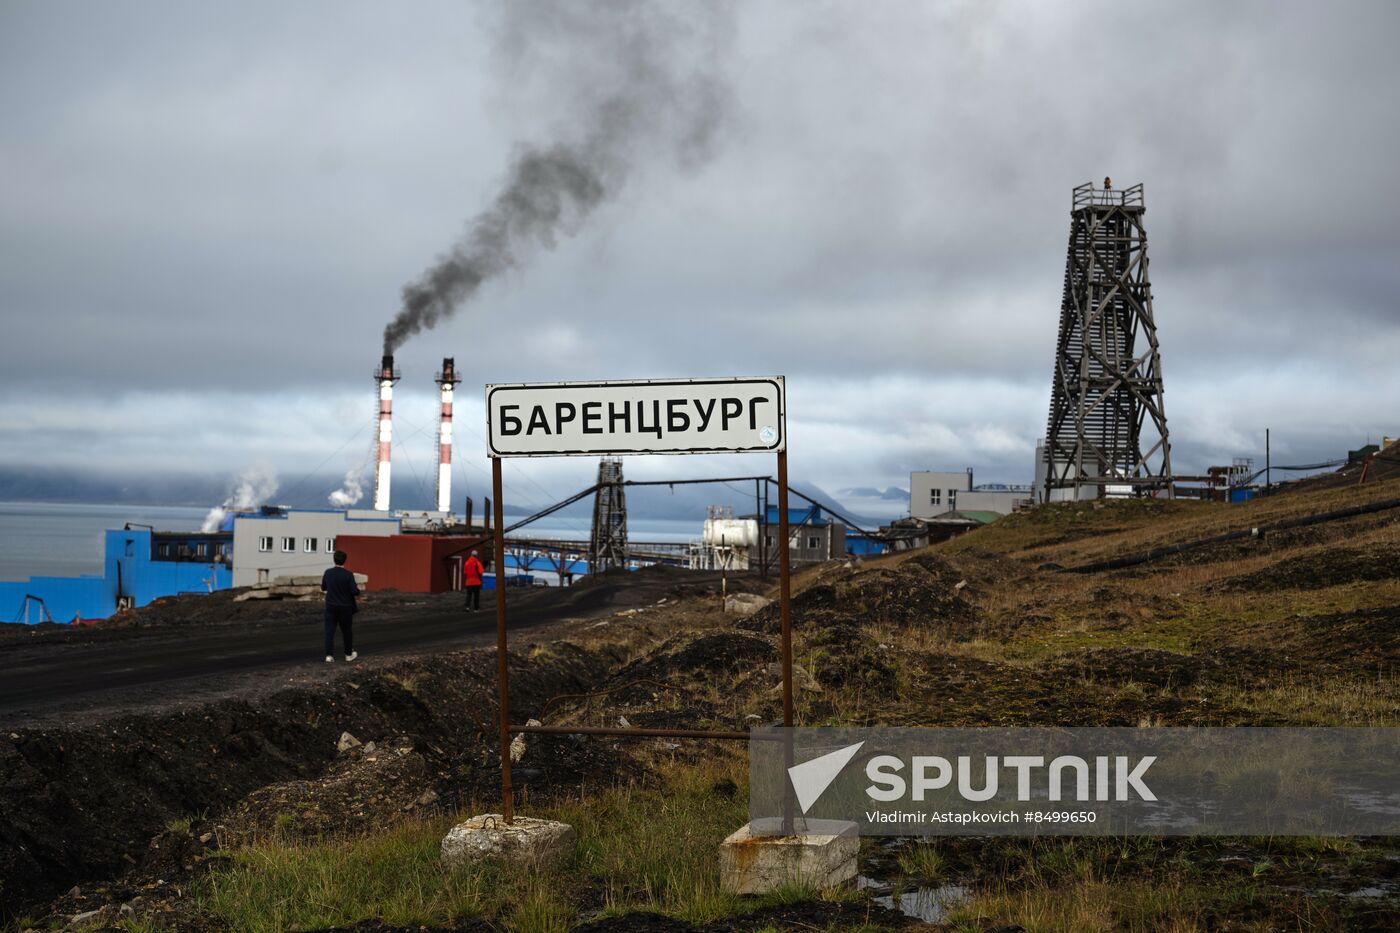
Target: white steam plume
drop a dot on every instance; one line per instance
(253, 487)
(351, 491)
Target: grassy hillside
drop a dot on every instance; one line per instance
(1297, 627)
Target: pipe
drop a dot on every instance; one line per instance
(633, 733)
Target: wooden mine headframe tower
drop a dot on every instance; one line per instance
(1107, 431)
(607, 548)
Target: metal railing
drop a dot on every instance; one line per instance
(1086, 195)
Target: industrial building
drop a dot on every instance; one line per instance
(905, 534)
(276, 542)
(409, 563)
(935, 493)
(139, 565)
(813, 536)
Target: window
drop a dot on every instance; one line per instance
(952, 498)
(814, 543)
(935, 497)
(771, 541)
(330, 545)
(310, 546)
(265, 543)
(262, 572)
(289, 545)
(202, 549)
(163, 552)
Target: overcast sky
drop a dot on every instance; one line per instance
(207, 212)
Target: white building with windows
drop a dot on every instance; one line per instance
(276, 542)
(933, 493)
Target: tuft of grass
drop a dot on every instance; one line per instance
(540, 910)
(923, 861)
(408, 682)
(139, 925)
(179, 826)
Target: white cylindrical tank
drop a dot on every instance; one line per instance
(731, 532)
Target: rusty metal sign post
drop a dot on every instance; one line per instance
(650, 416)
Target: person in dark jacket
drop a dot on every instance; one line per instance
(341, 589)
(471, 579)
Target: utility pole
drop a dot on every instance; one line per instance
(1268, 466)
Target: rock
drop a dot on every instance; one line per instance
(517, 744)
(801, 680)
(205, 838)
(427, 798)
(85, 916)
(253, 594)
(745, 604)
(370, 747)
(75, 891)
(623, 723)
(128, 910)
(526, 841)
(347, 742)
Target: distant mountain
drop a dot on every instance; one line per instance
(894, 493)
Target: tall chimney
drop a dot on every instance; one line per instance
(386, 377)
(447, 380)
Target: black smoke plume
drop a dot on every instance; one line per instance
(634, 83)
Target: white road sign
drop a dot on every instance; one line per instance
(649, 416)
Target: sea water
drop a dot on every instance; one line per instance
(50, 539)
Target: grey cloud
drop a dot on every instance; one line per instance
(230, 200)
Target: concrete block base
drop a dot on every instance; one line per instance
(820, 854)
(525, 841)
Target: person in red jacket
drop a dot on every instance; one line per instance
(471, 579)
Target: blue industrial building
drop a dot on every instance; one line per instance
(139, 566)
(861, 545)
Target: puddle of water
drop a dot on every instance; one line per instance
(931, 905)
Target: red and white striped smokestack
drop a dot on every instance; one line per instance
(386, 377)
(447, 381)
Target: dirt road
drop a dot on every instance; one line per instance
(208, 647)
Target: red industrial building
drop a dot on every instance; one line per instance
(410, 563)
